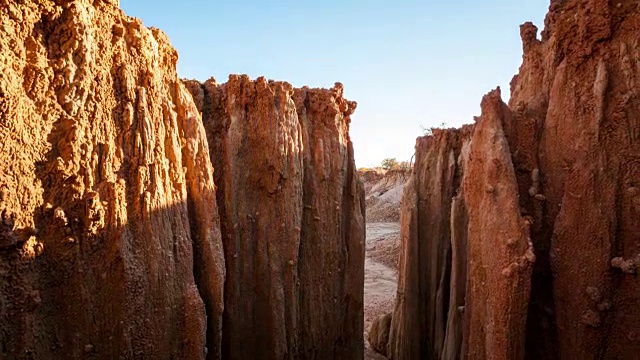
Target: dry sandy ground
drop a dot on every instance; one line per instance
(380, 280)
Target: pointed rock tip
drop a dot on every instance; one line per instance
(528, 34)
(491, 103)
(493, 95)
(338, 89)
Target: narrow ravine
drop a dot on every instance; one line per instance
(380, 280)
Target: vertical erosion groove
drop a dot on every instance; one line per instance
(108, 201)
(292, 216)
(551, 192)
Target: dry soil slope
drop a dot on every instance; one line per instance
(383, 193)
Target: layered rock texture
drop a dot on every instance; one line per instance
(422, 303)
(539, 215)
(110, 245)
(292, 215)
(115, 241)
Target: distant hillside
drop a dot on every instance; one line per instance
(383, 193)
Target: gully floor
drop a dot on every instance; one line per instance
(379, 279)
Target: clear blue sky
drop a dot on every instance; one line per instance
(406, 63)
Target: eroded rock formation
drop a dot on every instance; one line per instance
(557, 170)
(379, 333)
(499, 251)
(110, 241)
(292, 215)
(110, 222)
(576, 100)
(419, 320)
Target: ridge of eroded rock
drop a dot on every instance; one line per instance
(110, 236)
(292, 213)
(571, 133)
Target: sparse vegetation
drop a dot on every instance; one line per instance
(390, 164)
(429, 131)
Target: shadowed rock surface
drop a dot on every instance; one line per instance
(558, 166)
(292, 211)
(419, 320)
(576, 101)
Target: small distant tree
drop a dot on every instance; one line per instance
(390, 163)
(404, 165)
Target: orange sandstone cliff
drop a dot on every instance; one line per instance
(425, 258)
(115, 240)
(110, 244)
(543, 227)
(292, 215)
(576, 108)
